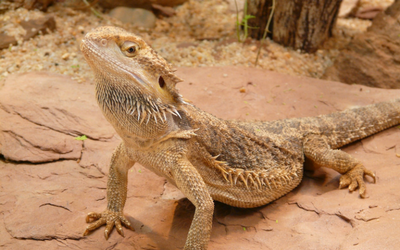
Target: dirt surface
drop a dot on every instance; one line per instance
(43, 205)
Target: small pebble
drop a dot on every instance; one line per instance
(65, 56)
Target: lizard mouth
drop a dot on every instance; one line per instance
(90, 49)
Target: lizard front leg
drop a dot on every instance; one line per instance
(190, 182)
(320, 153)
(116, 196)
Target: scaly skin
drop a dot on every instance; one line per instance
(242, 164)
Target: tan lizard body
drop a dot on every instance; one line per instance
(243, 164)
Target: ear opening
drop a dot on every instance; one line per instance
(161, 82)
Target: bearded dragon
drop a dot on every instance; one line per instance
(242, 164)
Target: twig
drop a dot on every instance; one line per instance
(237, 22)
(265, 31)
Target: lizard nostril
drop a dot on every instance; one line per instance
(103, 42)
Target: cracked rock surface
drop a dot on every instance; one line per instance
(49, 180)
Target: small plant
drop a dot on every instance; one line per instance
(243, 23)
(81, 138)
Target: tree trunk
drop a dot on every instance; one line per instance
(304, 24)
(261, 9)
(301, 24)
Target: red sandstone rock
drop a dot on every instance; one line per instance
(43, 206)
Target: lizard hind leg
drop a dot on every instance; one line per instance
(320, 153)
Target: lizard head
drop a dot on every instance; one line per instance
(130, 62)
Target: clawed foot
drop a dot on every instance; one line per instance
(108, 218)
(355, 178)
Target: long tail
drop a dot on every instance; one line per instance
(354, 124)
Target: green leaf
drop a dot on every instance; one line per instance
(140, 171)
(81, 138)
(247, 17)
(244, 229)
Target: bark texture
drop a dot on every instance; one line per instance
(300, 24)
(304, 24)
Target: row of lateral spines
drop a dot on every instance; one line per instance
(257, 179)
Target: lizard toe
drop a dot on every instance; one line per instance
(118, 226)
(94, 226)
(109, 228)
(92, 216)
(371, 174)
(355, 179)
(345, 181)
(126, 223)
(110, 219)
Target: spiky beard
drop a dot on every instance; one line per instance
(132, 101)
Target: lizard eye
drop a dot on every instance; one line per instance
(129, 48)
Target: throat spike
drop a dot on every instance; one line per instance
(138, 110)
(143, 117)
(159, 116)
(155, 118)
(148, 119)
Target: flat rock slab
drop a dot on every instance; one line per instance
(41, 115)
(43, 205)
